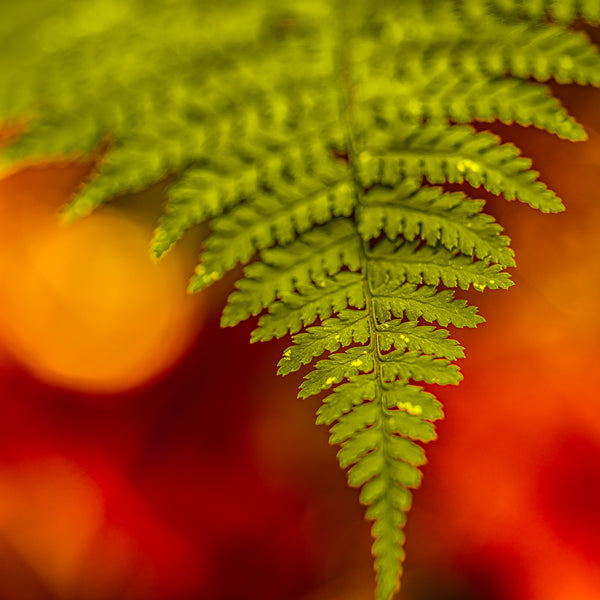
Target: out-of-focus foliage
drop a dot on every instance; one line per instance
(310, 133)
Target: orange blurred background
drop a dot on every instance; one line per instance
(146, 454)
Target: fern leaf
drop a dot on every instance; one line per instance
(419, 367)
(344, 398)
(208, 190)
(427, 302)
(348, 326)
(377, 429)
(415, 404)
(427, 213)
(202, 193)
(269, 220)
(310, 258)
(425, 338)
(300, 135)
(464, 98)
(431, 265)
(335, 368)
(299, 309)
(562, 11)
(43, 140)
(446, 39)
(454, 154)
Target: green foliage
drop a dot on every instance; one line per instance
(309, 136)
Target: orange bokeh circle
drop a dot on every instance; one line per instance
(83, 306)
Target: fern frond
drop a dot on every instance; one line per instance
(446, 38)
(455, 155)
(562, 11)
(270, 219)
(412, 337)
(246, 163)
(417, 264)
(377, 415)
(304, 137)
(426, 302)
(452, 220)
(302, 307)
(349, 326)
(462, 98)
(310, 258)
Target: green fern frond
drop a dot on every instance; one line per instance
(454, 155)
(310, 258)
(305, 137)
(562, 11)
(288, 205)
(464, 98)
(476, 39)
(302, 307)
(426, 301)
(452, 220)
(417, 264)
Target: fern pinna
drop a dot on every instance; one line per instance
(314, 138)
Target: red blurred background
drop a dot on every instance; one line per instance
(146, 454)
